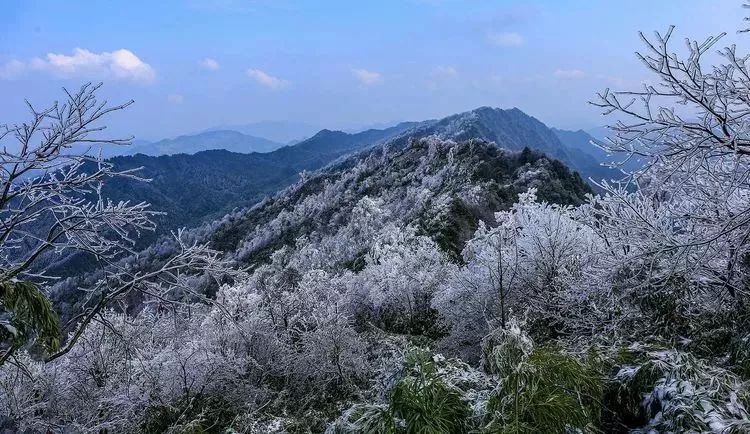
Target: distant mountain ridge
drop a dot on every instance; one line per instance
(232, 141)
(508, 128)
(284, 132)
(584, 141)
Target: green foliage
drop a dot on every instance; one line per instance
(505, 349)
(29, 316)
(739, 355)
(424, 402)
(544, 390)
(369, 419)
(199, 414)
(421, 403)
(453, 229)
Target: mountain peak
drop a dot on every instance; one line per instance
(325, 132)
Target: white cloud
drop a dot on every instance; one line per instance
(209, 64)
(175, 98)
(266, 80)
(569, 74)
(444, 71)
(442, 76)
(367, 78)
(12, 69)
(505, 39)
(120, 64)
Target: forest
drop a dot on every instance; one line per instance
(437, 282)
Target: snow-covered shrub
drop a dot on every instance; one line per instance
(422, 401)
(402, 272)
(675, 392)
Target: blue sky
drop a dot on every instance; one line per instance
(194, 64)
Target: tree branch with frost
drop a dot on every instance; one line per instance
(52, 202)
(51, 196)
(715, 99)
(689, 215)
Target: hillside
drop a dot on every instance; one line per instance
(193, 189)
(441, 188)
(444, 187)
(419, 270)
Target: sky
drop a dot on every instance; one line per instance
(195, 64)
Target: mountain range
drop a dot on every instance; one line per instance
(442, 187)
(510, 129)
(193, 189)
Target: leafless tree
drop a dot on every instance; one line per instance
(52, 203)
(691, 127)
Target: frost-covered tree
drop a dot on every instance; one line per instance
(536, 261)
(51, 203)
(403, 270)
(688, 218)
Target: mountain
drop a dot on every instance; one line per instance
(442, 186)
(371, 126)
(327, 145)
(582, 141)
(276, 131)
(208, 184)
(232, 141)
(590, 158)
(190, 189)
(337, 141)
(193, 189)
(212, 183)
(599, 133)
(417, 206)
(512, 129)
